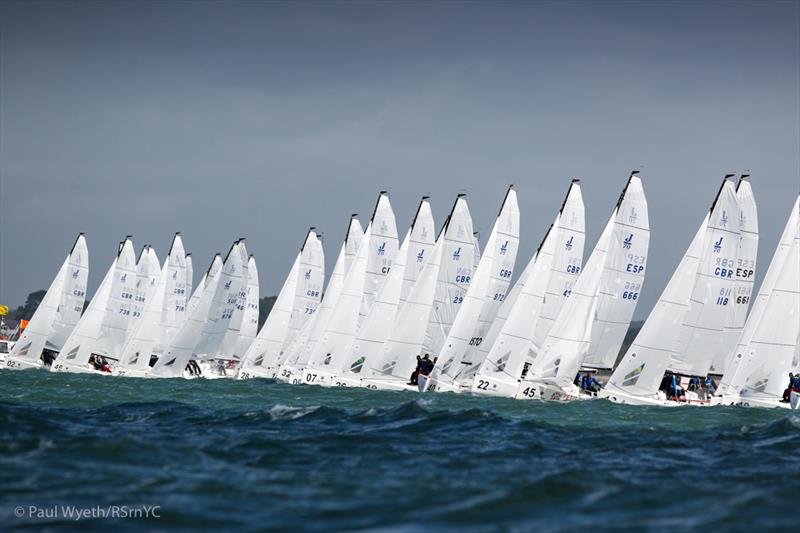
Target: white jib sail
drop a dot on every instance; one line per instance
(483, 297)
(699, 337)
(512, 348)
(311, 278)
(148, 270)
(455, 275)
(213, 270)
(744, 275)
(57, 313)
(765, 351)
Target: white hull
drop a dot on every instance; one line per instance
(388, 384)
(255, 372)
(738, 401)
(660, 399)
(128, 373)
(444, 387)
(311, 376)
(550, 393)
(486, 386)
(21, 364)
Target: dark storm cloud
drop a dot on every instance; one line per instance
(259, 119)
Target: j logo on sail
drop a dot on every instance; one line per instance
(123, 278)
(308, 274)
(228, 284)
(382, 248)
(420, 256)
(633, 217)
(568, 244)
(424, 232)
(627, 242)
(75, 274)
(457, 255)
(504, 248)
(718, 246)
(723, 221)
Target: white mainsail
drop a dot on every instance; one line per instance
(381, 253)
(600, 297)
(622, 280)
(57, 313)
(455, 275)
(458, 358)
(189, 283)
(699, 337)
(249, 327)
(148, 270)
(423, 239)
(768, 345)
(296, 303)
(744, 275)
(175, 300)
(514, 346)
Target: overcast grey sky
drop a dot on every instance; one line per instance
(259, 119)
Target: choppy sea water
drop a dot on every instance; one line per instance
(263, 455)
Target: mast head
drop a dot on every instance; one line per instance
(634, 173)
(575, 180)
(426, 198)
(728, 176)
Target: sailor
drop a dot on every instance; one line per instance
(710, 385)
(675, 388)
(694, 383)
(415, 373)
(794, 384)
(425, 368)
(589, 383)
(577, 380)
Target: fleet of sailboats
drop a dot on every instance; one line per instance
(432, 313)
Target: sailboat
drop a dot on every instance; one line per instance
(770, 341)
(598, 312)
(102, 330)
(684, 327)
(159, 319)
(299, 350)
(148, 270)
(296, 303)
(457, 361)
(57, 313)
(203, 331)
(381, 253)
(525, 317)
(375, 330)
